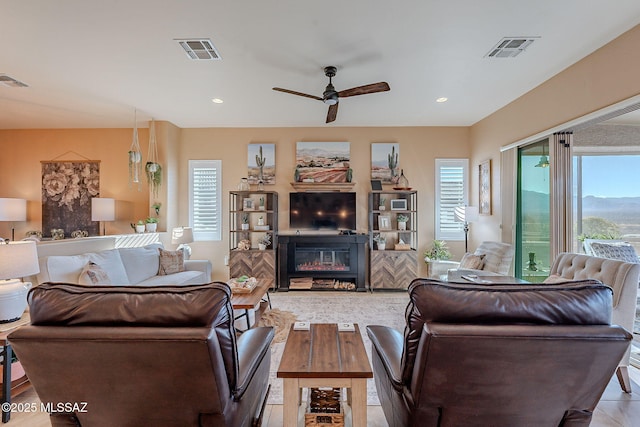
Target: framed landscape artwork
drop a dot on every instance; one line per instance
(322, 161)
(384, 162)
(261, 163)
(484, 180)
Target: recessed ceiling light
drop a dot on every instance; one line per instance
(442, 99)
(217, 101)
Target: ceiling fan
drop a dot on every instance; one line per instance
(330, 96)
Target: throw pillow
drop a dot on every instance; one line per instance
(171, 262)
(93, 274)
(620, 251)
(471, 261)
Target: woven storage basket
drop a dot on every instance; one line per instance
(324, 409)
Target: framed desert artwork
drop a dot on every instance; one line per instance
(322, 161)
(384, 162)
(484, 183)
(261, 163)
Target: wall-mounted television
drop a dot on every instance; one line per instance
(322, 211)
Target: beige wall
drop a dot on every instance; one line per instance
(20, 170)
(419, 146)
(604, 78)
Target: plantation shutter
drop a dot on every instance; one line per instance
(451, 192)
(204, 199)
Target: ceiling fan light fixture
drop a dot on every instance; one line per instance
(331, 100)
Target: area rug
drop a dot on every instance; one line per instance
(281, 321)
(363, 308)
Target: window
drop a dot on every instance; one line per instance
(204, 199)
(452, 176)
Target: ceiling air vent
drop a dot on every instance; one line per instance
(509, 47)
(11, 82)
(199, 49)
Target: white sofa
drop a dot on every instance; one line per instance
(124, 266)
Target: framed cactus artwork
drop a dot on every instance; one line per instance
(261, 163)
(385, 164)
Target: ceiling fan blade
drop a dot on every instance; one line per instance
(332, 113)
(362, 90)
(293, 92)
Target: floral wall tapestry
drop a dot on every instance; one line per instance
(67, 189)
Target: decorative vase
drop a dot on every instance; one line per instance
(402, 225)
(262, 246)
(403, 182)
(245, 226)
(381, 207)
(152, 227)
(382, 246)
(140, 228)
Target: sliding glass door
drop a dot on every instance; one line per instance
(533, 230)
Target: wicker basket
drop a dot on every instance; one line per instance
(324, 408)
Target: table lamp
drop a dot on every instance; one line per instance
(466, 214)
(182, 236)
(103, 209)
(13, 210)
(17, 260)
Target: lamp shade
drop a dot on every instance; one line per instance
(182, 235)
(18, 259)
(103, 209)
(13, 209)
(466, 213)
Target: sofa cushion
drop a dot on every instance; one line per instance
(182, 278)
(62, 268)
(110, 262)
(171, 262)
(141, 263)
(93, 274)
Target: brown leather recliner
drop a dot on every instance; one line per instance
(498, 355)
(134, 356)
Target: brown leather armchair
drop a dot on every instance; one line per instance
(499, 355)
(134, 356)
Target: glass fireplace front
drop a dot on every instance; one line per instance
(322, 259)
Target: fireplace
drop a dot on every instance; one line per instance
(321, 262)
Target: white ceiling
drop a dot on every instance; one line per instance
(90, 63)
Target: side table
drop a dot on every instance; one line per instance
(7, 353)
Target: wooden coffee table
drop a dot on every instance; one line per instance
(324, 357)
(247, 301)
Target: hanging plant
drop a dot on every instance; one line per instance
(152, 167)
(154, 177)
(135, 156)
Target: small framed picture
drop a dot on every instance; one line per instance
(384, 222)
(376, 185)
(247, 205)
(398, 204)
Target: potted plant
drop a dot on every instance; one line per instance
(402, 221)
(264, 241)
(381, 241)
(156, 207)
(151, 224)
(138, 227)
(261, 203)
(381, 203)
(245, 221)
(437, 260)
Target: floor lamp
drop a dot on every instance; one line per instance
(13, 210)
(103, 209)
(466, 214)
